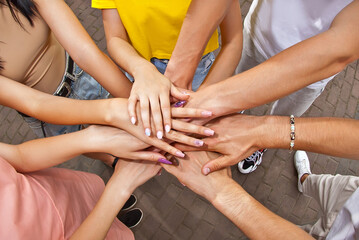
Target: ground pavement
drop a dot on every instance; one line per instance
(171, 210)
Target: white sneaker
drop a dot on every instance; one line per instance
(302, 165)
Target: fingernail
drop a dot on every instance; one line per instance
(159, 134)
(206, 171)
(186, 93)
(209, 132)
(198, 142)
(180, 154)
(165, 161)
(179, 103)
(167, 128)
(206, 113)
(133, 120)
(148, 132)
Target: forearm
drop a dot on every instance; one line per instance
(106, 72)
(34, 155)
(294, 68)
(99, 221)
(81, 47)
(256, 221)
(59, 110)
(231, 50)
(194, 35)
(312, 134)
(127, 57)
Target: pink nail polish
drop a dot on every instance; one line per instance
(206, 113)
(198, 143)
(206, 171)
(209, 132)
(180, 154)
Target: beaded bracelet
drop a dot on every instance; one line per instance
(292, 132)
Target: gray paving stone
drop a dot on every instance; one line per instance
(171, 211)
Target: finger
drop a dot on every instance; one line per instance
(217, 164)
(210, 144)
(131, 107)
(178, 94)
(163, 145)
(149, 156)
(166, 111)
(182, 138)
(157, 116)
(144, 104)
(190, 112)
(191, 128)
(187, 148)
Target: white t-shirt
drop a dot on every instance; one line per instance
(275, 25)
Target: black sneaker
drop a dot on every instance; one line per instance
(131, 218)
(250, 164)
(130, 203)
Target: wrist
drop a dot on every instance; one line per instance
(143, 66)
(224, 192)
(275, 131)
(116, 114)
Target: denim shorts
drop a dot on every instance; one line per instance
(84, 87)
(201, 72)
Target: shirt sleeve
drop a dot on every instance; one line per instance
(103, 4)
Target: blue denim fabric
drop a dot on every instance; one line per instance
(201, 72)
(85, 88)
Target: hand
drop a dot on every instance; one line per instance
(131, 174)
(237, 137)
(188, 173)
(153, 91)
(121, 144)
(137, 130)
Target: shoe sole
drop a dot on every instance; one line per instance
(139, 219)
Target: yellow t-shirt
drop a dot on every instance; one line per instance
(153, 26)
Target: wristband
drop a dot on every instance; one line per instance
(292, 132)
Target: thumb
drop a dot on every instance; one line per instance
(216, 164)
(178, 94)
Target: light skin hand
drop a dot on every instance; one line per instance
(237, 137)
(137, 130)
(108, 139)
(188, 173)
(153, 90)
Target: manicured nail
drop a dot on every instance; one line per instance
(198, 142)
(179, 103)
(159, 134)
(148, 132)
(186, 93)
(167, 128)
(180, 154)
(165, 161)
(209, 132)
(206, 113)
(206, 171)
(133, 120)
